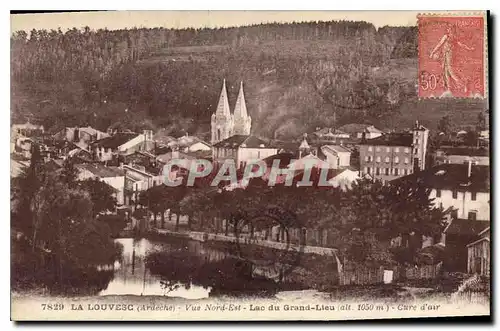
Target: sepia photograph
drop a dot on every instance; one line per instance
(249, 165)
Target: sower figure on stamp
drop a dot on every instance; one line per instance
(448, 44)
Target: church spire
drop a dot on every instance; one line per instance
(240, 110)
(223, 106)
(242, 122)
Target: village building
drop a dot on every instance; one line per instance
(224, 124)
(330, 134)
(462, 187)
(394, 155)
(337, 156)
(189, 144)
(478, 254)
(462, 155)
(242, 149)
(113, 176)
(457, 234)
(81, 136)
(358, 131)
(27, 130)
(121, 144)
(137, 180)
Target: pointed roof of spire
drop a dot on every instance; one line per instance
(304, 144)
(223, 105)
(240, 110)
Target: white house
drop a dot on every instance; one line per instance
(122, 143)
(357, 130)
(460, 155)
(337, 156)
(81, 136)
(113, 176)
(188, 144)
(138, 180)
(242, 149)
(463, 187)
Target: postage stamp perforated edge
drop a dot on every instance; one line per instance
(480, 13)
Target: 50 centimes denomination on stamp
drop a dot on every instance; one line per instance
(452, 58)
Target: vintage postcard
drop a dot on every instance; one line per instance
(255, 166)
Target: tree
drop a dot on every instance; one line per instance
(481, 122)
(372, 214)
(444, 125)
(56, 221)
(101, 195)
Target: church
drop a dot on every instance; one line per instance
(231, 138)
(225, 124)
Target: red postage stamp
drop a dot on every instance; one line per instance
(452, 58)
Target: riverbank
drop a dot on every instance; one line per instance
(311, 267)
(205, 236)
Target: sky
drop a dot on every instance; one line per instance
(114, 20)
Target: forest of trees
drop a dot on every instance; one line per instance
(363, 220)
(60, 232)
(318, 73)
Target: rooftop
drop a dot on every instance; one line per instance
(336, 149)
(115, 141)
(358, 127)
(466, 151)
(391, 139)
(453, 177)
(284, 158)
(100, 170)
(239, 140)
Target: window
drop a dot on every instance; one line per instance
(387, 159)
(366, 158)
(388, 149)
(416, 140)
(378, 158)
(438, 193)
(378, 149)
(473, 196)
(407, 160)
(454, 214)
(370, 149)
(396, 149)
(396, 159)
(407, 150)
(455, 194)
(416, 151)
(396, 171)
(377, 171)
(387, 171)
(406, 172)
(368, 170)
(472, 215)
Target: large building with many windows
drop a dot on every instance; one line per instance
(393, 155)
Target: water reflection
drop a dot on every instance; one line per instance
(133, 277)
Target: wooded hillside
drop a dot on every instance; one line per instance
(297, 77)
